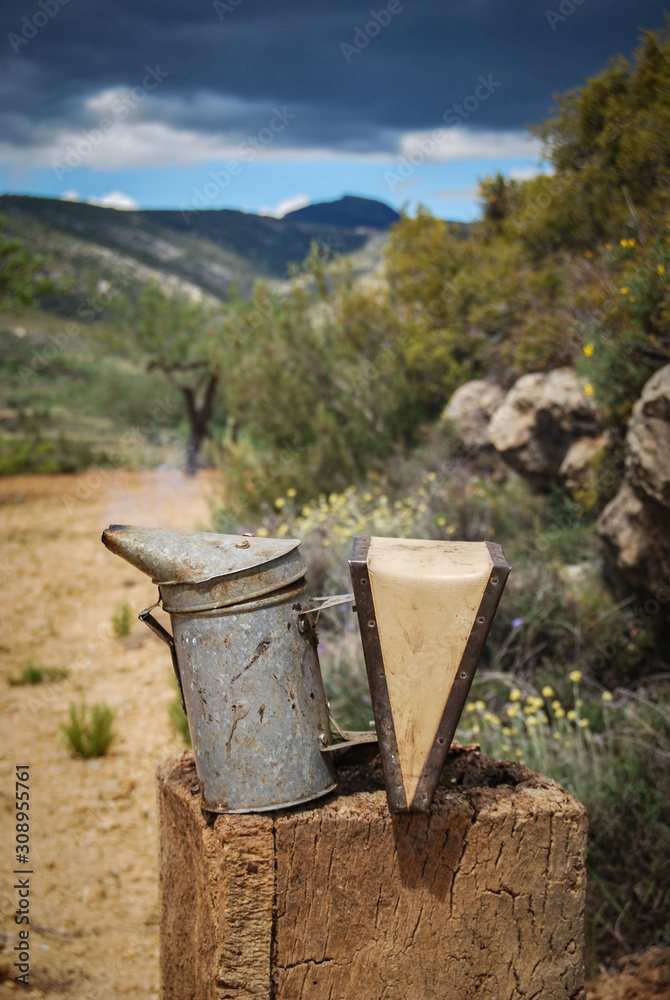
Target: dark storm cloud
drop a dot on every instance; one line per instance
(230, 62)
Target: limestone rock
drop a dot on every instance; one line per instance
(648, 439)
(471, 408)
(579, 467)
(540, 417)
(636, 533)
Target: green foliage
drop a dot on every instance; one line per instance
(609, 142)
(177, 715)
(89, 733)
(122, 620)
(319, 389)
(22, 278)
(37, 673)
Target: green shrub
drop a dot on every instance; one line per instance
(89, 733)
(36, 673)
(177, 716)
(122, 620)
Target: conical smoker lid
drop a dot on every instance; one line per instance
(180, 557)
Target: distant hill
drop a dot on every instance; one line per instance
(208, 250)
(348, 212)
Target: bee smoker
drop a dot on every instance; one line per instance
(245, 656)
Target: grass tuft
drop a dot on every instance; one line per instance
(37, 673)
(89, 733)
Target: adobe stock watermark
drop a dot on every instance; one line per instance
(120, 108)
(247, 152)
(30, 26)
(565, 9)
(363, 35)
(223, 7)
(453, 116)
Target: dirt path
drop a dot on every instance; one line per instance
(94, 931)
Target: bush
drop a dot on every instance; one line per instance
(89, 733)
(36, 673)
(122, 620)
(177, 716)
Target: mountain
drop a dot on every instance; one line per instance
(192, 251)
(348, 212)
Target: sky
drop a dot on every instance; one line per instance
(268, 105)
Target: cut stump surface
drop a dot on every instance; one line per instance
(482, 898)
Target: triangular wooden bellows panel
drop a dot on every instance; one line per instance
(424, 616)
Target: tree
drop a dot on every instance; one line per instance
(22, 277)
(178, 337)
(609, 143)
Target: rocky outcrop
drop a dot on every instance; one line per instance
(648, 440)
(539, 419)
(470, 410)
(580, 468)
(635, 526)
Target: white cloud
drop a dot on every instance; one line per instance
(444, 144)
(290, 204)
(70, 196)
(527, 173)
(115, 199)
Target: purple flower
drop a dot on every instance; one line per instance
(517, 623)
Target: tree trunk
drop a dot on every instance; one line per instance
(199, 414)
(339, 900)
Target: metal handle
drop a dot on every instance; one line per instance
(162, 633)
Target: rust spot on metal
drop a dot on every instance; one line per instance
(243, 545)
(236, 718)
(261, 648)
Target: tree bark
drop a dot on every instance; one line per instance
(339, 900)
(199, 414)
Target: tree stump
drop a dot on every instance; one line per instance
(482, 898)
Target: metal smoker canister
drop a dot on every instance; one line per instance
(246, 661)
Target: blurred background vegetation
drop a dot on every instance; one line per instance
(320, 400)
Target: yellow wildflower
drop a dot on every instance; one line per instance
(471, 707)
(588, 254)
(476, 728)
(661, 269)
(556, 705)
(624, 243)
(262, 532)
(588, 350)
(559, 713)
(572, 715)
(607, 696)
(512, 713)
(583, 723)
(557, 735)
(531, 721)
(280, 502)
(480, 705)
(575, 676)
(326, 543)
(441, 521)
(624, 290)
(588, 389)
(282, 530)
(514, 694)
